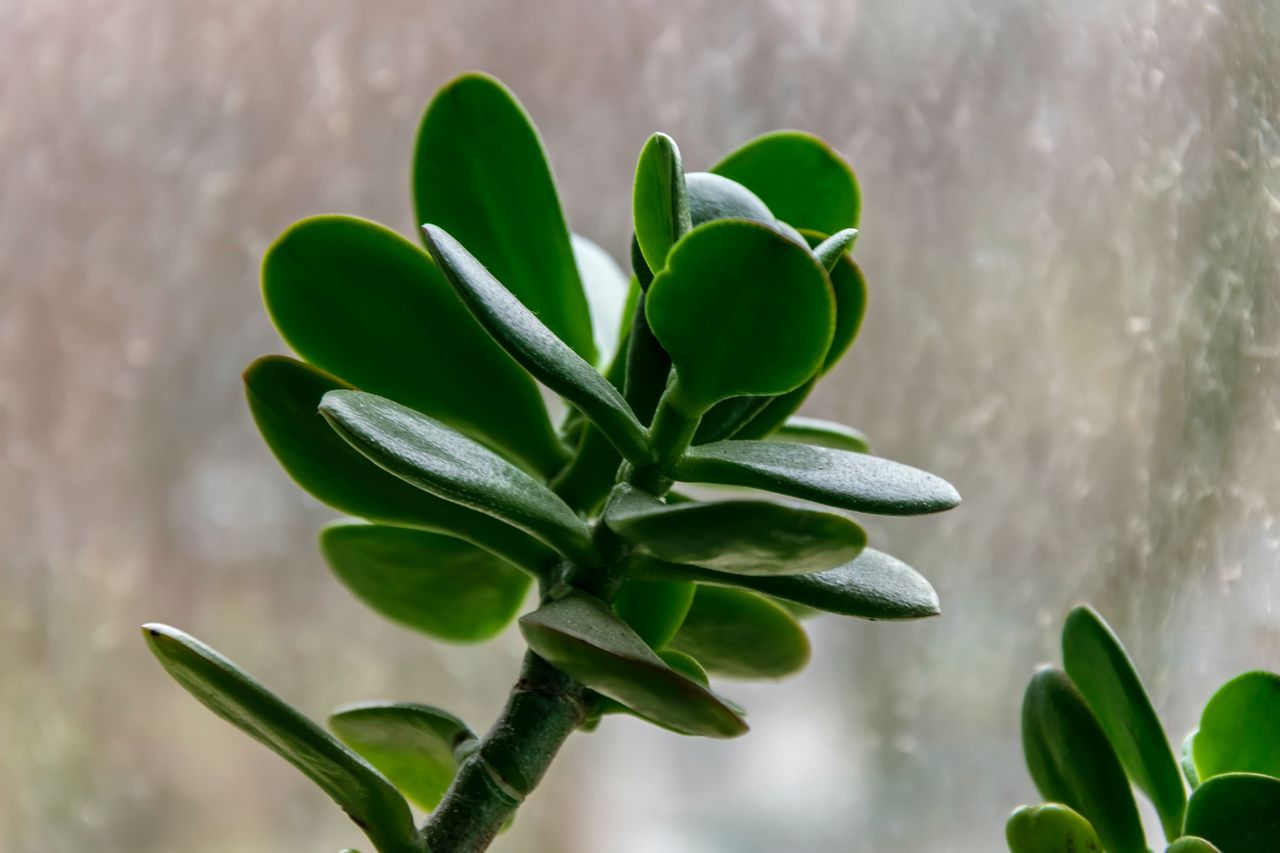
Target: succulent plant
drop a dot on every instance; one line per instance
(1090, 735)
(418, 409)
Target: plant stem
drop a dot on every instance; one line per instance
(544, 708)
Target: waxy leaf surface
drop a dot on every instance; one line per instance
(451, 466)
(581, 636)
(1051, 828)
(235, 696)
(441, 586)
(1236, 812)
(1073, 763)
(660, 203)
(738, 634)
(839, 478)
(415, 746)
(820, 433)
(284, 397)
(654, 609)
(361, 302)
(480, 173)
(1240, 728)
(742, 311)
(1100, 668)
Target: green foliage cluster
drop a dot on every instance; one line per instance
(418, 409)
(1090, 734)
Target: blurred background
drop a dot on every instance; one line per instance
(1070, 225)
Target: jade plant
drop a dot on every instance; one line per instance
(418, 408)
(1090, 735)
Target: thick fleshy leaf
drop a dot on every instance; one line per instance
(479, 172)
(738, 634)
(1097, 663)
(800, 177)
(713, 197)
(873, 586)
(581, 636)
(522, 334)
(839, 478)
(1050, 828)
(1236, 812)
(739, 537)
(742, 312)
(415, 746)
(830, 250)
(850, 288)
(654, 609)
(235, 696)
(451, 466)
(820, 433)
(766, 421)
(363, 303)
(284, 397)
(1191, 844)
(660, 204)
(610, 296)
(1073, 763)
(1187, 760)
(444, 587)
(1240, 728)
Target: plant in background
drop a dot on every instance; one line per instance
(418, 411)
(1090, 734)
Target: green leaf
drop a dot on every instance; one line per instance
(284, 396)
(854, 481)
(738, 537)
(1051, 828)
(738, 634)
(800, 177)
(820, 433)
(610, 296)
(479, 172)
(742, 312)
(1236, 812)
(1191, 844)
(415, 746)
(683, 663)
(654, 609)
(238, 698)
(774, 413)
(581, 636)
(535, 347)
(441, 586)
(660, 203)
(873, 586)
(363, 303)
(1097, 663)
(451, 466)
(850, 288)
(831, 250)
(1240, 728)
(1186, 759)
(715, 197)
(1073, 763)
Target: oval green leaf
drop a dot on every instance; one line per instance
(1236, 812)
(284, 397)
(738, 634)
(738, 537)
(1240, 728)
(1186, 758)
(451, 466)
(480, 173)
(742, 311)
(839, 478)
(832, 249)
(820, 433)
(873, 586)
(1073, 763)
(366, 305)
(535, 347)
(654, 609)
(235, 696)
(800, 177)
(713, 197)
(581, 636)
(415, 746)
(1097, 663)
(1051, 828)
(441, 586)
(660, 204)
(1191, 844)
